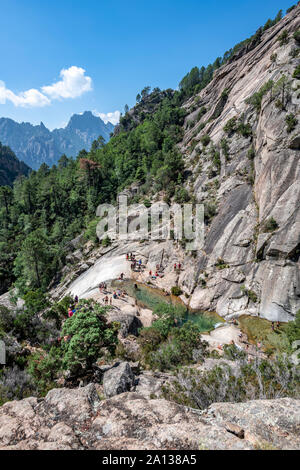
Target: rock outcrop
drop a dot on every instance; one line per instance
(78, 419)
(118, 380)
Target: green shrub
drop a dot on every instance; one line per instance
(250, 294)
(251, 153)
(262, 379)
(269, 225)
(179, 348)
(6, 319)
(147, 203)
(256, 99)
(296, 35)
(245, 130)
(106, 241)
(225, 147)
(283, 38)
(230, 126)
(273, 58)
(175, 290)
(216, 160)
(290, 9)
(205, 139)
(90, 233)
(233, 353)
(44, 367)
(296, 73)
(294, 53)
(220, 264)
(201, 113)
(292, 330)
(291, 122)
(87, 332)
(210, 210)
(181, 195)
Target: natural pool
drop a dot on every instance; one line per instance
(151, 297)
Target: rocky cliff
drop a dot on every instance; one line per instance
(241, 151)
(258, 180)
(37, 144)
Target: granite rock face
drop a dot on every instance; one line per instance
(249, 263)
(78, 419)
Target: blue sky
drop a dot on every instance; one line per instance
(77, 55)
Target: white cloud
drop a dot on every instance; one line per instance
(73, 83)
(29, 98)
(114, 117)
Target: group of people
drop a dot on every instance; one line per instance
(135, 264)
(177, 266)
(159, 270)
(72, 307)
(273, 325)
(117, 294)
(102, 286)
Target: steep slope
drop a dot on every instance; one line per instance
(257, 166)
(241, 151)
(36, 144)
(10, 166)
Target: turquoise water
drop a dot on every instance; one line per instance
(149, 297)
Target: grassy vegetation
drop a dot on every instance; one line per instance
(259, 330)
(291, 120)
(262, 379)
(269, 225)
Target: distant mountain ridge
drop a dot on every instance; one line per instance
(37, 144)
(10, 166)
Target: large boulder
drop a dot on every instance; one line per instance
(118, 380)
(129, 324)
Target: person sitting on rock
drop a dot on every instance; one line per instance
(175, 266)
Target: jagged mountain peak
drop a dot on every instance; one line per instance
(36, 144)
